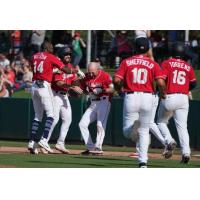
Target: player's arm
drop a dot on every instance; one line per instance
(160, 82)
(119, 77)
(109, 90)
(109, 87)
(192, 85)
(192, 79)
(76, 89)
(160, 76)
(60, 65)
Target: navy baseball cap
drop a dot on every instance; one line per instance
(142, 45)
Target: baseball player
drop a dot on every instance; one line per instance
(180, 78)
(153, 129)
(98, 85)
(137, 74)
(42, 66)
(61, 83)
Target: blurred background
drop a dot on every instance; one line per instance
(108, 47)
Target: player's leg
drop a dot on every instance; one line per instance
(38, 109)
(88, 117)
(180, 118)
(66, 116)
(130, 116)
(58, 102)
(48, 104)
(162, 121)
(153, 126)
(165, 112)
(102, 117)
(143, 130)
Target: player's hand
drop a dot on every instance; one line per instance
(163, 96)
(80, 74)
(97, 91)
(56, 71)
(77, 89)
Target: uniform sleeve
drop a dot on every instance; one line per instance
(57, 77)
(82, 84)
(121, 71)
(108, 79)
(57, 62)
(158, 72)
(164, 68)
(192, 76)
(71, 79)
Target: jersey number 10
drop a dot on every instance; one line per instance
(139, 75)
(179, 77)
(38, 67)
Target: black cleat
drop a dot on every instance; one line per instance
(86, 152)
(142, 165)
(185, 159)
(169, 150)
(96, 151)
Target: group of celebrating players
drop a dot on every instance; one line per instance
(142, 81)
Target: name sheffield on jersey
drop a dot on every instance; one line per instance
(138, 61)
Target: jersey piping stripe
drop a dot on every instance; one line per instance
(51, 97)
(119, 76)
(106, 116)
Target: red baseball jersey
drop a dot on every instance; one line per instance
(178, 74)
(43, 64)
(138, 73)
(102, 80)
(67, 78)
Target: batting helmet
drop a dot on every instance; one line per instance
(63, 51)
(141, 45)
(178, 50)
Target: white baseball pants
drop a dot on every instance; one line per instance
(42, 101)
(62, 109)
(176, 106)
(138, 106)
(98, 110)
(153, 126)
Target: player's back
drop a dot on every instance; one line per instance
(42, 65)
(139, 73)
(178, 75)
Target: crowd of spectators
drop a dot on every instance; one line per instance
(17, 47)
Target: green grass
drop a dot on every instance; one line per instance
(75, 161)
(70, 161)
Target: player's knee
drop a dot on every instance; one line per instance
(82, 125)
(56, 119)
(38, 118)
(100, 128)
(127, 133)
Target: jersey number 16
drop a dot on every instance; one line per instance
(179, 77)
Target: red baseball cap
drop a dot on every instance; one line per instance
(77, 34)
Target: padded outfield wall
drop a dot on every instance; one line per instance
(16, 116)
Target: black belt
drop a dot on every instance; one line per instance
(59, 92)
(98, 99)
(176, 93)
(138, 91)
(39, 83)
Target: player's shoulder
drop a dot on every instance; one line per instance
(104, 74)
(167, 61)
(69, 65)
